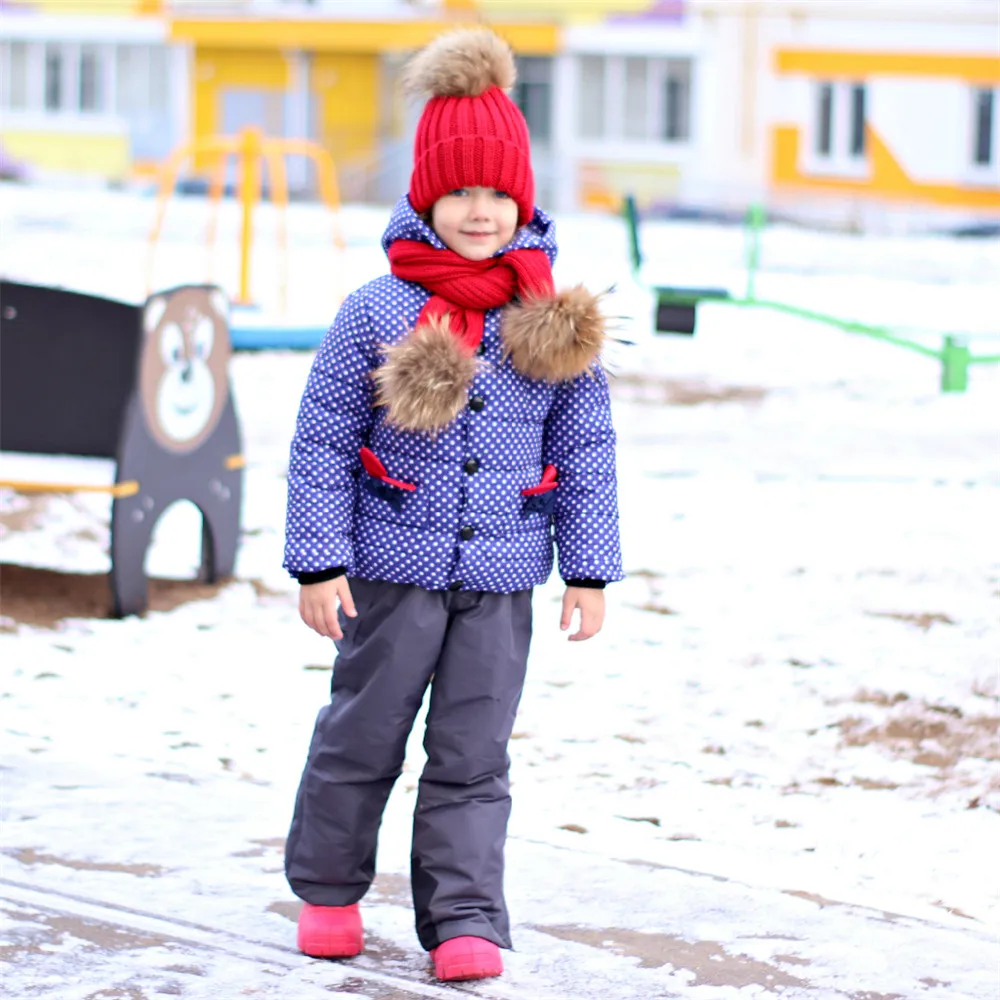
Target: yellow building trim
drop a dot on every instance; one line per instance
(110, 8)
(101, 155)
(886, 180)
(570, 11)
(347, 36)
(842, 64)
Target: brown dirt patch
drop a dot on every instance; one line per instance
(29, 856)
(932, 735)
(709, 961)
(656, 609)
(44, 597)
(866, 697)
(923, 619)
(682, 392)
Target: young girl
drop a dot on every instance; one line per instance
(455, 424)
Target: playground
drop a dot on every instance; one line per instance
(775, 772)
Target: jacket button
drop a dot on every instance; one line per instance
(481, 349)
(477, 404)
(472, 466)
(467, 532)
(457, 585)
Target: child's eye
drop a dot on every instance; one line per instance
(502, 194)
(459, 192)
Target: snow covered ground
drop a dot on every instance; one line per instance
(774, 773)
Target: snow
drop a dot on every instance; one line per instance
(774, 772)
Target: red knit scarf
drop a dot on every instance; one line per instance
(467, 288)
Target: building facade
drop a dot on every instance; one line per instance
(91, 88)
(816, 107)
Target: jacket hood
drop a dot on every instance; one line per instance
(405, 224)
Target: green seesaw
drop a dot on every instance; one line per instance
(676, 307)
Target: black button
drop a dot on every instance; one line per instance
(467, 532)
(457, 585)
(477, 404)
(481, 349)
(472, 466)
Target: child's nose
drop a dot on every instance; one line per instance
(480, 206)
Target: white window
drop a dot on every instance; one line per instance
(55, 85)
(677, 101)
(133, 79)
(91, 85)
(593, 85)
(636, 121)
(67, 79)
(142, 72)
(635, 98)
(14, 67)
(533, 95)
(985, 128)
(839, 125)
(159, 83)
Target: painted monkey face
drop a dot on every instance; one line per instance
(183, 379)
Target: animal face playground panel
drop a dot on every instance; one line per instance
(146, 385)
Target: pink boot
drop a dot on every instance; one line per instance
(330, 931)
(466, 958)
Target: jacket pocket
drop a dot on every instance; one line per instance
(541, 499)
(395, 499)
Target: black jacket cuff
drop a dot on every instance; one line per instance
(321, 577)
(587, 584)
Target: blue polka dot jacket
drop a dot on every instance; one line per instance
(522, 463)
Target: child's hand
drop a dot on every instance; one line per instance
(591, 605)
(318, 605)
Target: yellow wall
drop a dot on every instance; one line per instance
(347, 88)
(98, 154)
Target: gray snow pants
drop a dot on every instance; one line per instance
(471, 647)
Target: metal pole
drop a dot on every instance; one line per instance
(955, 357)
(250, 195)
(632, 221)
(756, 218)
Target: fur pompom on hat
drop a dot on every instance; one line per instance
(461, 64)
(470, 134)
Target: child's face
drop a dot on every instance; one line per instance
(475, 221)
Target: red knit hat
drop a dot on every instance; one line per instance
(470, 133)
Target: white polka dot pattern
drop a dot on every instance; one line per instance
(465, 526)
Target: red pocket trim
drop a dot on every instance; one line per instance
(374, 467)
(548, 483)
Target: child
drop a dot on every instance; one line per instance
(456, 418)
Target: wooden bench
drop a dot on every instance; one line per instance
(145, 386)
